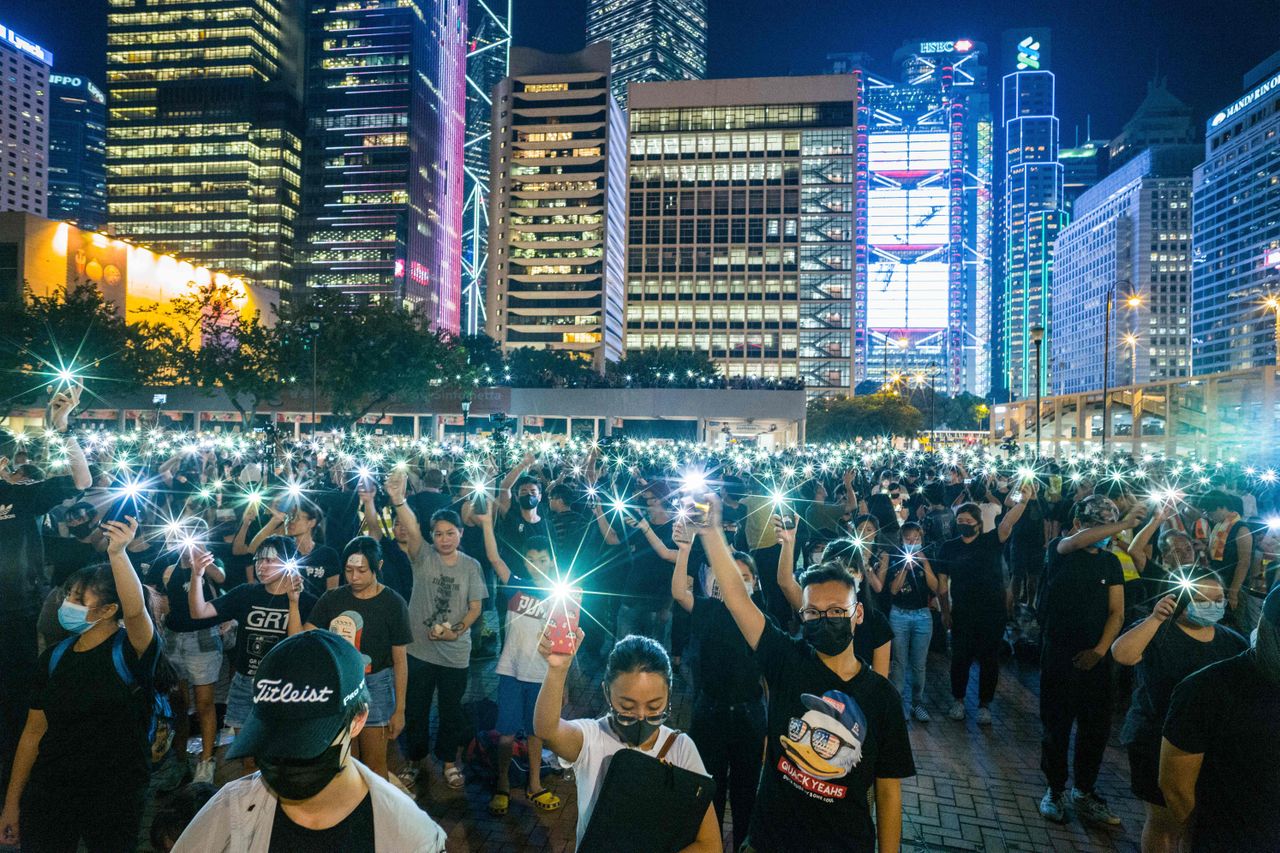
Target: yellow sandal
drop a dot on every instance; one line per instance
(499, 803)
(544, 800)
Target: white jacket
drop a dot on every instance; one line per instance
(239, 819)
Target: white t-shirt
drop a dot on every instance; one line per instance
(598, 743)
(990, 512)
(526, 618)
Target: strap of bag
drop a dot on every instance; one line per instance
(667, 744)
(60, 650)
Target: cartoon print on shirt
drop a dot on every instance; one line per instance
(350, 626)
(824, 744)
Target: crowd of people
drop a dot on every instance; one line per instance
(312, 614)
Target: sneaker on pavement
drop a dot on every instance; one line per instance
(920, 713)
(984, 716)
(204, 771)
(1092, 808)
(1054, 806)
(957, 711)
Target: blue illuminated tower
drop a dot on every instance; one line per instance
(1032, 215)
(488, 58)
(652, 40)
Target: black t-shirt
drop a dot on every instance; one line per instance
(1027, 539)
(341, 515)
(873, 633)
(727, 673)
(513, 532)
(1076, 600)
(373, 625)
(426, 504)
(65, 556)
(22, 580)
(828, 741)
(649, 576)
(263, 621)
(175, 589)
(1226, 713)
(317, 567)
(353, 834)
(915, 589)
(1225, 568)
(1171, 656)
(977, 581)
(95, 719)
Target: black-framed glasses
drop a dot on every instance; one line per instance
(824, 742)
(809, 614)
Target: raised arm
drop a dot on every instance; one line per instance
(560, 737)
(133, 608)
(240, 545)
(1137, 549)
(1130, 646)
(198, 607)
(500, 567)
(787, 565)
(655, 541)
(680, 577)
(606, 529)
(1026, 493)
(1090, 536)
(372, 521)
(503, 498)
(748, 617)
(395, 486)
(60, 409)
(1244, 558)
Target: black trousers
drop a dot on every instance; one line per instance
(56, 821)
(976, 636)
(730, 741)
(1072, 696)
(444, 684)
(18, 661)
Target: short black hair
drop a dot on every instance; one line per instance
(537, 543)
(970, 509)
(526, 480)
(1216, 500)
(445, 515)
(910, 527)
(634, 653)
(561, 491)
(829, 572)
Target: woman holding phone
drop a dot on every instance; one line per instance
(637, 687)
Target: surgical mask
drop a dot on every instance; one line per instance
(292, 779)
(1204, 613)
(967, 529)
(74, 617)
(1103, 543)
(527, 501)
(828, 635)
(911, 547)
(634, 731)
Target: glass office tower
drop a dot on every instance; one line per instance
(77, 151)
(652, 39)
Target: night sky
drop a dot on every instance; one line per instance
(1104, 51)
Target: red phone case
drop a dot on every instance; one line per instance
(563, 625)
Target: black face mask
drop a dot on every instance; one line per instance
(967, 529)
(292, 779)
(527, 501)
(634, 734)
(828, 635)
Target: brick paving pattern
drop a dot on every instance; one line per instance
(976, 788)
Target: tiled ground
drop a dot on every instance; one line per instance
(976, 788)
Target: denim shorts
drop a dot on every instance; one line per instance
(516, 699)
(195, 655)
(382, 696)
(239, 701)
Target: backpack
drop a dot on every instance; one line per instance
(161, 719)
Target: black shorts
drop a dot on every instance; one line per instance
(1144, 775)
(1026, 562)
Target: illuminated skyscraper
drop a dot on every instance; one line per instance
(558, 206)
(488, 50)
(384, 164)
(923, 304)
(204, 130)
(743, 207)
(1083, 167)
(1236, 230)
(77, 151)
(1033, 214)
(24, 123)
(652, 40)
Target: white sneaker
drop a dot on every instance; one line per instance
(204, 771)
(984, 716)
(957, 711)
(920, 714)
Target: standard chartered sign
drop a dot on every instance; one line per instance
(1248, 100)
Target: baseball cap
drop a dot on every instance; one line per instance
(304, 690)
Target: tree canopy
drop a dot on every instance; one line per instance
(867, 416)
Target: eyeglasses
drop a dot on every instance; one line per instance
(809, 614)
(631, 719)
(825, 743)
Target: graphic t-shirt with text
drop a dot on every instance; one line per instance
(263, 621)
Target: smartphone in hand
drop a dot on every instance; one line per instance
(562, 623)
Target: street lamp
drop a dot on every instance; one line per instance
(466, 421)
(314, 326)
(1272, 303)
(1037, 338)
